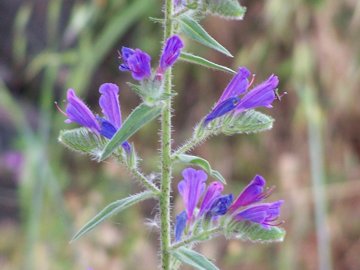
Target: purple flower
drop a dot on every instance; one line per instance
(236, 98)
(252, 193)
(180, 225)
(264, 214)
(220, 206)
(212, 193)
(78, 112)
(191, 188)
(171, 52)
(137, 62)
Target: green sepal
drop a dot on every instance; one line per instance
(194, 59)
(202, 163)
(195, 31)
(248, 122)
(194, 259)
(110, 210)
(83, 141)
(228, 9)
(139, 117)
(253, 232)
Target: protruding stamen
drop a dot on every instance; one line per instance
(278, 96)
(252, 81)
(59, 109)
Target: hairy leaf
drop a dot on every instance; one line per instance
(194, 259)
(110, 210)
(195, 31)
(194, 59)
(142, 115)
(229, 9)
(202, 163)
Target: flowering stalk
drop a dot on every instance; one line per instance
(165, 230)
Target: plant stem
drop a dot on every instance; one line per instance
(165, 230)
(143, 180)
(195, 238)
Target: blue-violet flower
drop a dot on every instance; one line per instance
(236, 97)
(78, 112)
(171, 53)
(137, 62)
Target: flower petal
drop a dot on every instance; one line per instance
(261, 96)
(78, 112)
(222, 109)
(191, 188)
(252, 193)
(237, 85)
(109, 103)
(213, 192)
(171, 52)
(220, 205)
(180, 225)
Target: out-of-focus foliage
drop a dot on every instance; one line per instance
(47, 193)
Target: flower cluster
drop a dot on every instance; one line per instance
(77, 111)
(246, 207)
(236, 97)
(138, 62)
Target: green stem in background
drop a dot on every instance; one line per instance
(165, 231)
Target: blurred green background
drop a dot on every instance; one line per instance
(311, 155)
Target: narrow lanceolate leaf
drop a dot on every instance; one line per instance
(253, 232)
(142, 115)
(194, 259)
(202, 163)
(194, 59)
(228, 9)
(195, 31)
(110, 210)
(82, 140)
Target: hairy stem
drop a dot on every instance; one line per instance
(165, 230)
(195, 238)
(146, 182)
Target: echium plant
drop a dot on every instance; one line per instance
(208, 210)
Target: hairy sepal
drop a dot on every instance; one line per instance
(228, 9)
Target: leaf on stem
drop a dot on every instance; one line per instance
(202, 163)
(194, 59)
(142, 115)
(195, 31)
(228, 9)
(110, 210)
(194, 259)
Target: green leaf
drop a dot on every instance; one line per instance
(110, 210)
(229, 9)
(253, 232)
(195, 31)
(202, 163)
(194, 59)
(82, 140)
(142, 115)
(194, 259)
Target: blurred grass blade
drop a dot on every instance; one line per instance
(202, 163)
(253, 232)
(195, 31)
(20, 38)
(142, 115)
(194, 59)
(194, 259)
(110, 210)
